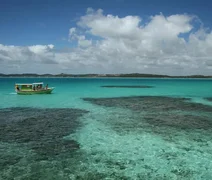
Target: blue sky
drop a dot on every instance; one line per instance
(114, 36)
(26, 22)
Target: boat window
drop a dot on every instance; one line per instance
(26, 87)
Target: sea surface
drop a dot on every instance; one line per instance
(107, 128)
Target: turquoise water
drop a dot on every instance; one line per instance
(69, 91)
(94, 132)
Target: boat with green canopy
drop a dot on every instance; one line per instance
(33, 88)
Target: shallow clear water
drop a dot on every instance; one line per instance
(86, 131)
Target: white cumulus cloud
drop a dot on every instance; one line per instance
(81, 39)
(108, 43)
(39, 49)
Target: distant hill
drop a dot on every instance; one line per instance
(102, 75)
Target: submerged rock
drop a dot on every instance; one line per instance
(209, 98)
(150, 103)
(162, 112)
(117, 86)
(42, 130)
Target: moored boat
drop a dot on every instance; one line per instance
(33, 88)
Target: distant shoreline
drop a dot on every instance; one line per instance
(131, 75)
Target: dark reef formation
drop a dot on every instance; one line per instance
(162, 112)
(42, 130)
(118, 86)
(209, 98)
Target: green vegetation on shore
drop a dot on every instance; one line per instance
(103, 75)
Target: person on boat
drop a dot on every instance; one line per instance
(47, 86)
(34, 88)
(17, 88)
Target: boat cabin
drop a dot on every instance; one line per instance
(33, 88)
(29, 87)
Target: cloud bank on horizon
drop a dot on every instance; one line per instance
(178, 44)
